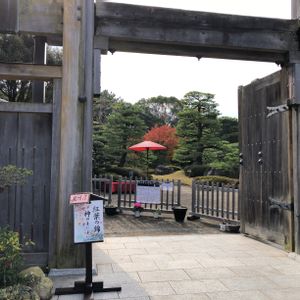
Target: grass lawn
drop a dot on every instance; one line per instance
(178, 175)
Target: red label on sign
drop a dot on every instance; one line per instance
(80, 198)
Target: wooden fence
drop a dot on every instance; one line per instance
(122, 193)
(215, 200)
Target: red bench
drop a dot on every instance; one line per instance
(125, 187)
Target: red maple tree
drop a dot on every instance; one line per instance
(164, 135)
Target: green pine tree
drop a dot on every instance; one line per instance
(123, 129)
(197, 128)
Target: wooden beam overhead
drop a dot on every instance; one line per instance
(198, 52)
(242, 37)
(29, 72)
(185, 18)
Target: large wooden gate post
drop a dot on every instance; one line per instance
(76, 123)
(295, 9)
(294, 87)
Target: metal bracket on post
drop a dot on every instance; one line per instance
(276, 204)
(273, 110)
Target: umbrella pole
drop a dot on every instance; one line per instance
(147, 162)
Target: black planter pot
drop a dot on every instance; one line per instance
(233, 228)
(111, 210)
(179, 213)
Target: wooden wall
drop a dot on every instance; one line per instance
(26, 142)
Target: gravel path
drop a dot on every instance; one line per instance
(126, 224)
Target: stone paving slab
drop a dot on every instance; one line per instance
(116, 278)
(210, 273)
(238, 295)
(283, 294)
(156, 276)
(248, 283)
(157, 258)
(179, 264)
(158, 288)
(135, 266)
(199, 296)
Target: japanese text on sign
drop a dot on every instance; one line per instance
(80, 198)
(88, 222)
(148, 192)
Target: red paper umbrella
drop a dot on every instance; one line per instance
(146, 146)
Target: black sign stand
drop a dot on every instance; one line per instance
(87, 287)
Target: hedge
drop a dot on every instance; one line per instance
(220, 179)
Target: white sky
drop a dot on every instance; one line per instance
(135, 76)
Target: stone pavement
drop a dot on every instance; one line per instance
(192, 266)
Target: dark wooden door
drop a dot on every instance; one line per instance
(265, 173)
(26, 139)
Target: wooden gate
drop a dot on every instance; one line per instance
(266, 176)
(29, 139)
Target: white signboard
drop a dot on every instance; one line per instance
(167, 186)
(88, 222)
(148, 192)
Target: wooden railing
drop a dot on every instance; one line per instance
(121, 193)
(215, 200)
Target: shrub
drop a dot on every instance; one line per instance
(11, 260)
(195, 170)
(18, 291)
(226, 172)
(219, 179)
(10, 175)
(127, 172)
(164, 170)
(176, 168)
